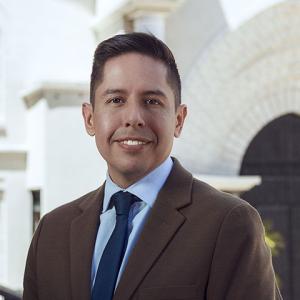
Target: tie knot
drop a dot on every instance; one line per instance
(122, 202)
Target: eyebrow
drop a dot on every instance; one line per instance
(113, 91)
(156, 92)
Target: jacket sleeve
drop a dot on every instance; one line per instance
(30, 285)
(242, 263)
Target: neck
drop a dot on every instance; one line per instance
(125, 182)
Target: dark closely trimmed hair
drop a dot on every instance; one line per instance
(135, 42)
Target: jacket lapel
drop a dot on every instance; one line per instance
(82, 239)
(163, 222)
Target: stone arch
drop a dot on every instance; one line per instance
(274, 151)
(243, 81)
(249, 124)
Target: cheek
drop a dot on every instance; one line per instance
(166, 123)
(104, 124)
(164, 128)
(103, 131)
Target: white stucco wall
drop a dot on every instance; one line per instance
(191, 28)
(3, 51)
(238, 12)
(16, 207)
(106, 7)
(36, 137)
(46, 40)
(3, 229)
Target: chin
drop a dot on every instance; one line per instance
(133, 169)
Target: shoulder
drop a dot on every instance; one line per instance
(203, 201)
(223, 208)
(206, 194)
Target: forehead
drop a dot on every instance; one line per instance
(134, 68)
(133, 57)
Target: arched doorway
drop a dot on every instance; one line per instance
(274, 153)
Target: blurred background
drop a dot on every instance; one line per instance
(240, 66)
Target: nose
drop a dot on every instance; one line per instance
(134, 116)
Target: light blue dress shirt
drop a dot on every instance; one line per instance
(147, 190)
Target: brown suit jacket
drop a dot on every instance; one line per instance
(198, 243)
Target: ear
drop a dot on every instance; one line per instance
(88, 116)
(181, 113)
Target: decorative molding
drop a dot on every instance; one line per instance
(57, 94)
(136, 9)
(12, 157)
(232, 184)
(130, 10)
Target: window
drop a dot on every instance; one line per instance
(36, 209)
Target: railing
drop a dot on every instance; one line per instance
(8, 294)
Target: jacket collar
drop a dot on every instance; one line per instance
(83, 233)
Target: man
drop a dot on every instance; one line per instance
(151, 231)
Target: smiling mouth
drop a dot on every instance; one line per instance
(133, 142)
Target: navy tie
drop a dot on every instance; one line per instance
(113, 253)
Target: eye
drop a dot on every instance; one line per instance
(115, 100)
(152, 101)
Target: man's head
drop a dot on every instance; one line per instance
(133, 112)
(137, 42)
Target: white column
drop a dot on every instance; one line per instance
(151, 23)
(63, 161)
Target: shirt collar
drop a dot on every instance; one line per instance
(146, 188)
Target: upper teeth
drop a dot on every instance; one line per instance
(133, 142)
